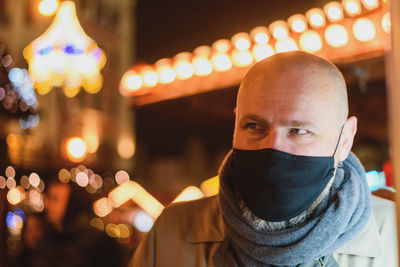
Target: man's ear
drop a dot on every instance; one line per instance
(349, 131)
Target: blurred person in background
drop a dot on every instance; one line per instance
(32, 232)
(71, 241)
(291, 192)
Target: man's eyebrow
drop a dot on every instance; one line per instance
(297, 123)
(255, 118)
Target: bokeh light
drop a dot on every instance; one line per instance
(310, 41)
(286, 45)
(352, 7)
(149, 76)
(370, 4)
(126, 148)
(182, 66)
(14, 196)
(386, 23)
(76, 149)
(336, 35)
(131, 81)
(48, 7)
(189, 193)
(121, 177)
(297, 23)
(364, 30)
(64, 176)
(210, 187)
(334, 11)
(82, 179)
(3, 182)
(262, 51)
(221, 62)
(260, 35)
(241, 58)
(165, 72)
(279, 29)
(102, 207)
(10, 172)
(34, 179)
(241, 41)
(221, 46)
(11, 183)
(202, 66)
(143, 222)
(316, 18)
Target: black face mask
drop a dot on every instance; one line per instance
(278, 186)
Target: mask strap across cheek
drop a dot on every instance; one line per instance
(337, 144)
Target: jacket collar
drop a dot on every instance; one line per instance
(209, 227)
(367, 243)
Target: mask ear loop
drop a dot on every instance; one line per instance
(337, 144)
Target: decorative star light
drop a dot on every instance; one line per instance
(64, 56)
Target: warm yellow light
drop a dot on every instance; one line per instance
(334, 11)
(132, 81)
(210, 187)
(34, 179)
(126, 148)
(184, 70)
(164, 70)
(10, 172)
(221, 62)
(336, 35)
(352, 7)
(71, 91)
(13, 140)
(386, 24)
(48, 7)
(146, 201)
(286, 45)
(310, 41)
(102, 207)
(122, 193)
(262, 51)
(260, 35)
(279, 29)
(370, 4)
(149, 76)
(121, 177)
(189, 193)
(76, 149)
(202, 51)
(364, 30)
(202, 66)
(297, 23)
(241, 41)
(221, 46)
(64, 176)
(15, 196)
(316, 18)
(64, 56)
(241, 58)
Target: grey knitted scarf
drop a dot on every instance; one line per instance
(340, 217)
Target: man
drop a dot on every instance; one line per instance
(291, 192)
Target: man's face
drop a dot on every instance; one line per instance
(57, 201)
(290, 112)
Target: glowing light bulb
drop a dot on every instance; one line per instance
(352, 7)
(316, 18)
(149, 76)
(165, 71)
(76, 149)
(336, 35)
(260, 35)
(222, 46)
(297, 23)
(221, 62)
(189, 193)
(131, 81)
(126, 148)
(286, 45)
(262, 51)
(184, 70)
(370, 4)
(48, 7)
(279, 29)
(386, 24)
(364, 30)
(241, 58)
(310, 41)
(334, 11)
(102, 207)
(202, 66)
(241, 41)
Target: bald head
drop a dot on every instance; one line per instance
(297, 103)
(297, 68)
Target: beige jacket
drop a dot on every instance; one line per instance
(192, 235)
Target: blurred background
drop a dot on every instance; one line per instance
(127, 105)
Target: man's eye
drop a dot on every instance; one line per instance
(253, 126)
(298, 131)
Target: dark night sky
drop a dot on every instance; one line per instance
(167, 27)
